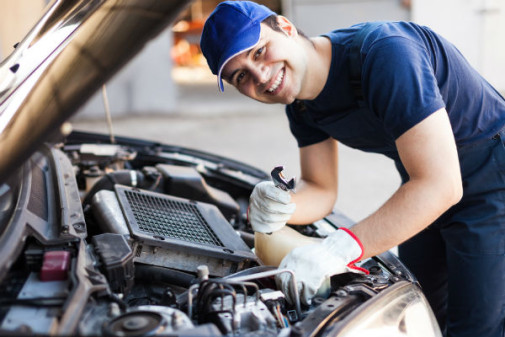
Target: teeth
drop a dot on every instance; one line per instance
(278, 81)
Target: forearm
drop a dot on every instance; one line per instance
(312, 202)
(429, 154)
(316, 192)
(413, 207)
(271, 248)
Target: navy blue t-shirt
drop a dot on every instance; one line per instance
(408, 72)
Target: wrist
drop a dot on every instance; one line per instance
(357, 240)
(345, 243)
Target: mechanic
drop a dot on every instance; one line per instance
(414, 99)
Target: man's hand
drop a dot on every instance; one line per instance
(269, 208)
(314, 263)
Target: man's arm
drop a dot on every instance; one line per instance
(316, 192)
(315, 198)
(428, 152)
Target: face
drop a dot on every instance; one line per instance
(272, 71)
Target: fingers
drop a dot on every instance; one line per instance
(269, 208)
(312, 265)
(273, 208)
(305, 293)
(267, 189)
(295, 262)
(269, 218)
(284, 284)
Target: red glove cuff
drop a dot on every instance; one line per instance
(351, 264)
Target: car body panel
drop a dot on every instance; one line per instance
(65, 58)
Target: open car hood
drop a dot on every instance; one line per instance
(75, 48)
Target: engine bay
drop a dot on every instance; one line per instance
(142, 239)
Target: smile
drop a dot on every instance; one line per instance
(277, 82)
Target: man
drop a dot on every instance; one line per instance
(416, 100)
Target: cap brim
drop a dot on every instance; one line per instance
(235, 53)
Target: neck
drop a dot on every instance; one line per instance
(318, 67)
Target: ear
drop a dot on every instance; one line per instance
(287, 26)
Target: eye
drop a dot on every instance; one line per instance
(240, 77)
(258, 52)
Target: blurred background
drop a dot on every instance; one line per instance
(168, 94)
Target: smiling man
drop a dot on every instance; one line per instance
(394, 88)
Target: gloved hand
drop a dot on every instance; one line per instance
(314, 263)
(269, 207)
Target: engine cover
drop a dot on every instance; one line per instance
(182, 234)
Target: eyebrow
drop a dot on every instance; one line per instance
(230, 78)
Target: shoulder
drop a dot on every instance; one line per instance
(398, 33)
(387, 33)
(343, 36)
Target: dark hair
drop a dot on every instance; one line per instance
(272, 22)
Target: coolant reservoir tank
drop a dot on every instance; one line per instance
(271, 248)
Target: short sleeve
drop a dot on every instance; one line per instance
(305, 132)
(399, 83)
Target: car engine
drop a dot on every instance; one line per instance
(136, 238)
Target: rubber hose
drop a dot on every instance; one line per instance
(160, 274)
(107, 182)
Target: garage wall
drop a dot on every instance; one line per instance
(315, 17)
(143, 87)
(476, 27)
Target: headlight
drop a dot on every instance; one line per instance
(400, 311)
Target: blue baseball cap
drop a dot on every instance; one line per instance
(232, 28)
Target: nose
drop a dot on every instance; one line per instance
(261, 73)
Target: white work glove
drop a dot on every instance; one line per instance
(314, 263)
(269, 207)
